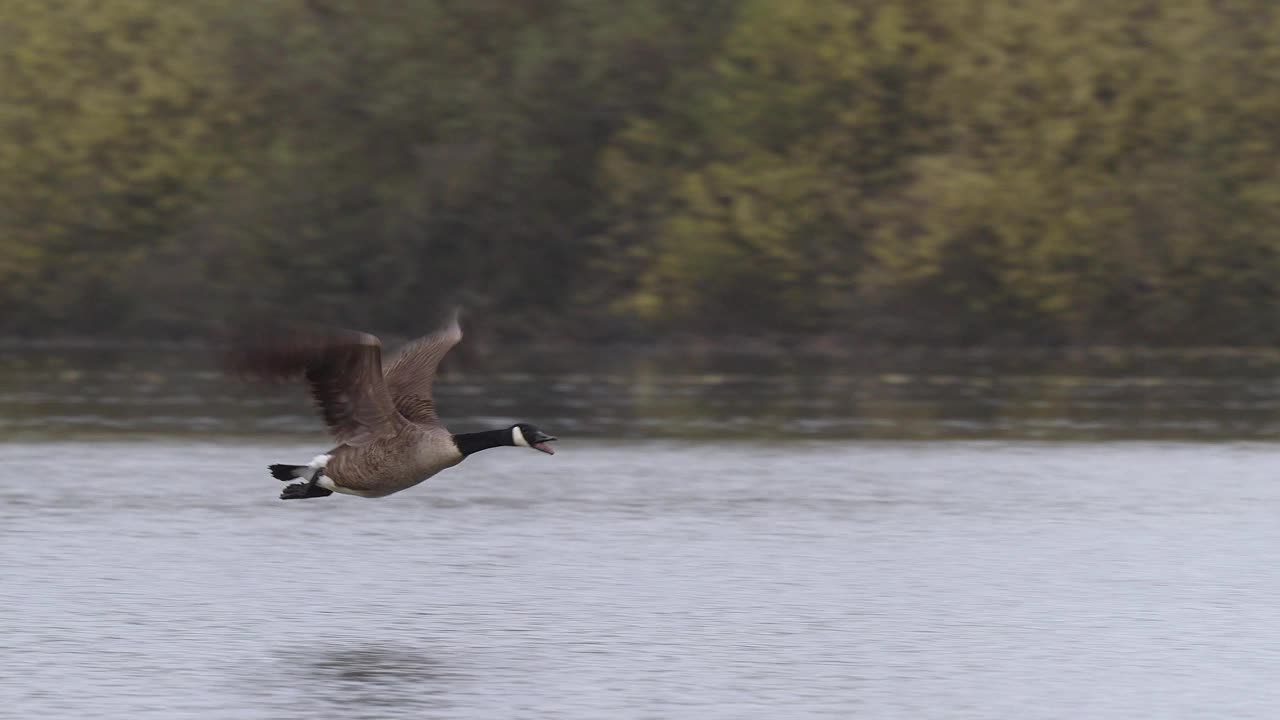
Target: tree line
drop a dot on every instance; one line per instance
(901, 171)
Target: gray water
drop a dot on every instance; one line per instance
(904, 555)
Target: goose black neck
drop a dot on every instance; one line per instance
(475, 442)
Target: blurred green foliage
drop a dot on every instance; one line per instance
(940, 171)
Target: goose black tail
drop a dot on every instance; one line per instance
(287, 472)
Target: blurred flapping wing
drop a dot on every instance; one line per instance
(343, 370)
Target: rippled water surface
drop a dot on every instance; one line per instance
(859, 547)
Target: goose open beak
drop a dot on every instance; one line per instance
(540, 443)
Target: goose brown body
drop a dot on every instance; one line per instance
(392, 463)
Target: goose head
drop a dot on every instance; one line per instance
(526, 435)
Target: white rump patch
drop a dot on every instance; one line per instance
(317, 464)
(518, 437)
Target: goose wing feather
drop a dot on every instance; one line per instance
(342, 368)
(412, 372)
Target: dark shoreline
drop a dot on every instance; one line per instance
(775, 353)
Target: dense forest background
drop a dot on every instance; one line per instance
(948, 172)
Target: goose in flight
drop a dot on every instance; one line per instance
(385, 425)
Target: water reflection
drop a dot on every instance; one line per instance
(86, 392)
(361, 681)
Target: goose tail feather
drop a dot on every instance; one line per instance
(288, 472)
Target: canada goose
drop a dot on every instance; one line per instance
(389, 437)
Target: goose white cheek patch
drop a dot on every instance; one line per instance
(517, 437)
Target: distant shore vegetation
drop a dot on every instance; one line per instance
(896, 172)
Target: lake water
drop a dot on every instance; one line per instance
(872, 544)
